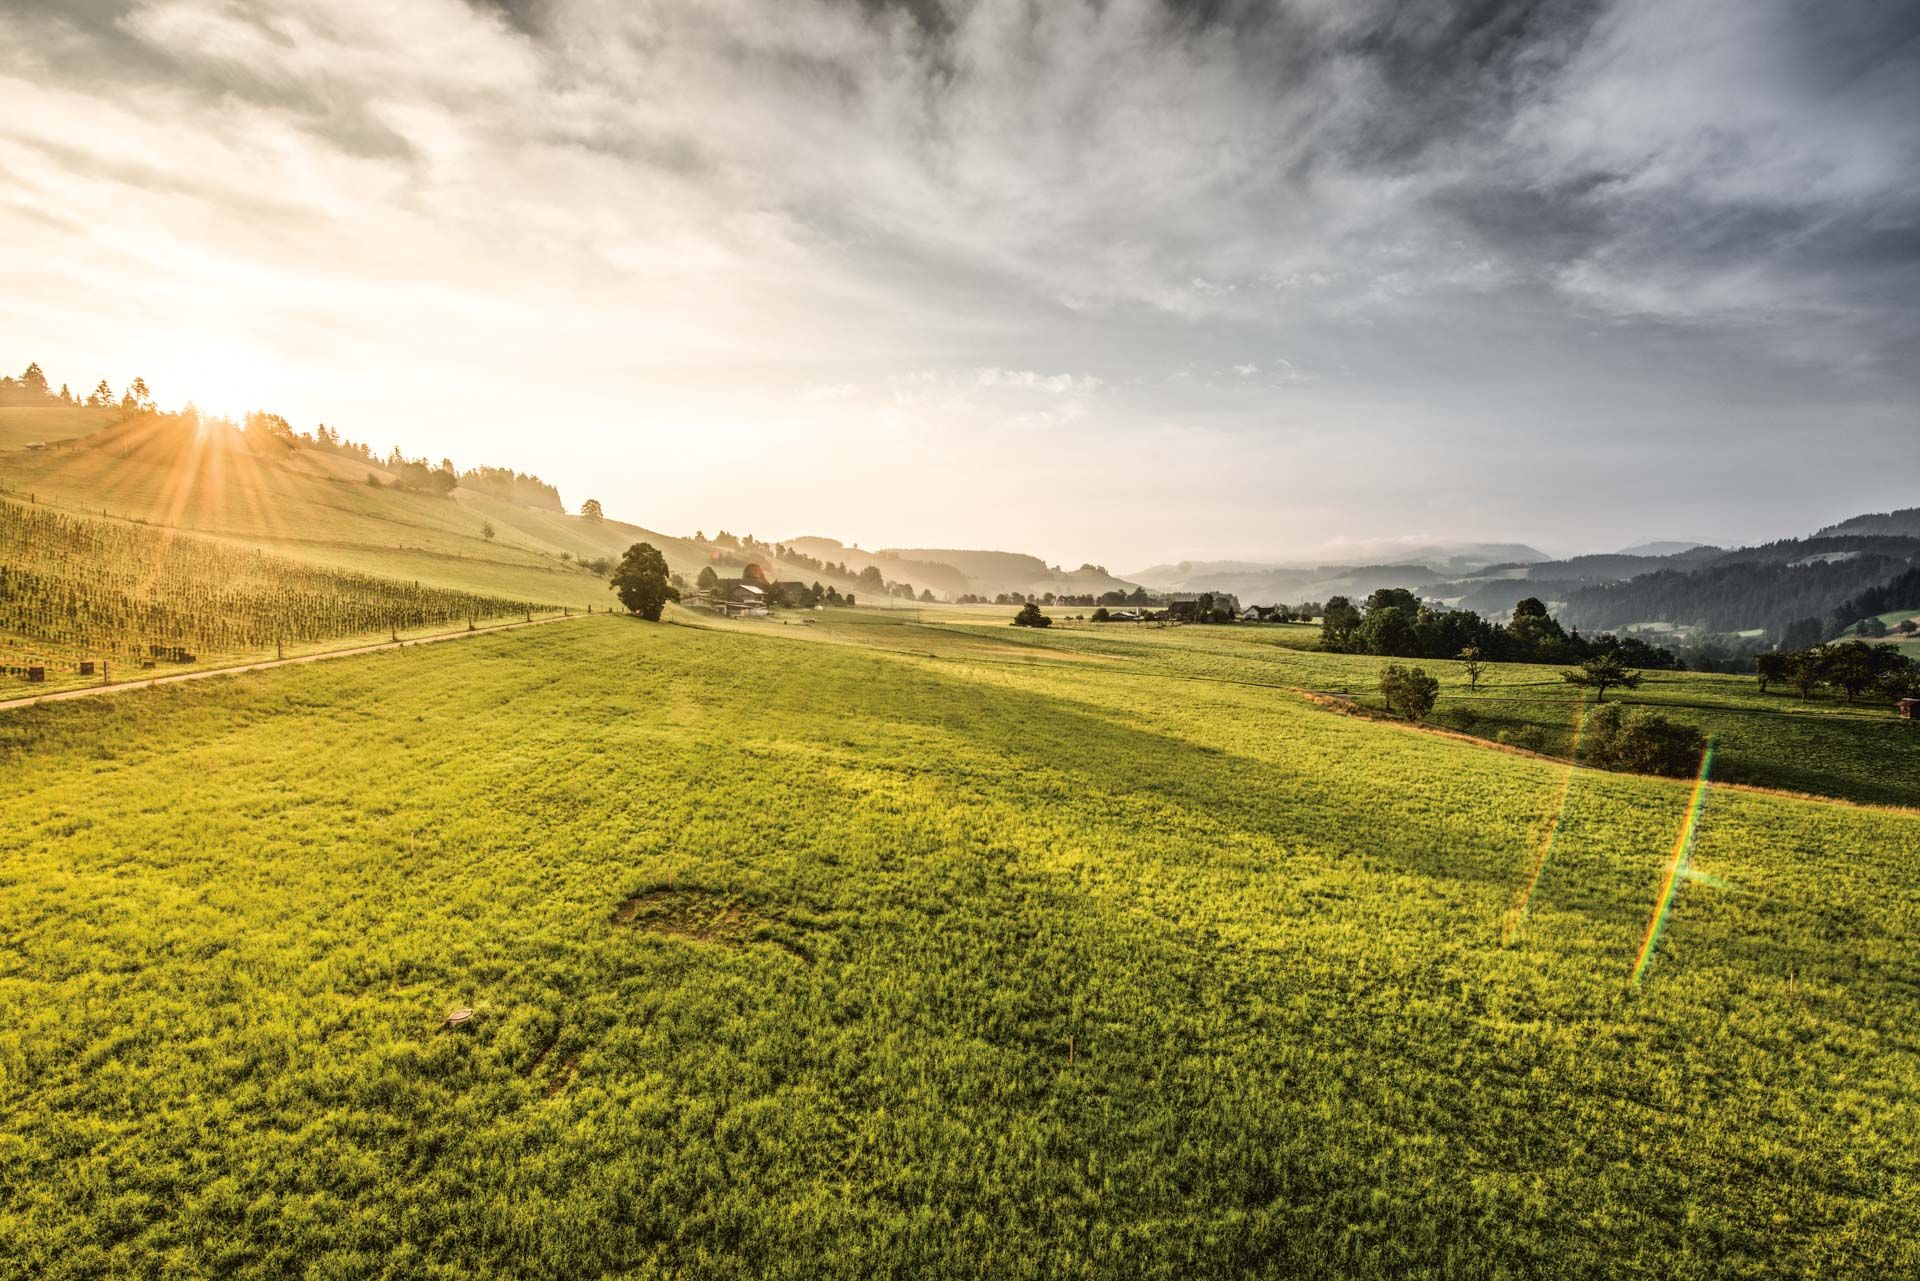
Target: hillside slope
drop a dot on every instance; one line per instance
(321, 508)
(22, 425)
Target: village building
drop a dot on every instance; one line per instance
(1184, 607)
(735, 599)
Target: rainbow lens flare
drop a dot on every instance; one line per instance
(1517, 914)
(1677, 868)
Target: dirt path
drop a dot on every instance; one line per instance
(147, 682)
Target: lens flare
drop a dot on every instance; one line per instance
(1517, 914)
(1677, 869)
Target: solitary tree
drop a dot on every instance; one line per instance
(642, 582)
(486, 526)
(591, 509)
(1474, 663)
(1030, 616)
(1408, 690)
(1641, 741)
(1601, 673)
(706, 580)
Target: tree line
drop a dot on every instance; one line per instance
(30, 390)
(1394, 623)
(1853, 668)
(263, 430)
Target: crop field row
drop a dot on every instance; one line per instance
(871, 948)
(75, 588)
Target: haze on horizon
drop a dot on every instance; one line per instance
(1124, 282)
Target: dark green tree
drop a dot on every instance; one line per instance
(1856, 666)
(1601, 673)
(1338, 622)
(1030, 616)
(1641, 741)
(1806, 669)
(1534, 632)
(642, 582)
(1409, 691)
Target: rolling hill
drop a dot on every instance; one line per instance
(321, 508)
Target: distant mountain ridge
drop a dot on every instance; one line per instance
(1904, 522)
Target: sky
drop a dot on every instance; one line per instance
(1122, 282)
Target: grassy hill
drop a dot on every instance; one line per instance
(320, 508)
(863, 948)
(83, 598)
(22, 425)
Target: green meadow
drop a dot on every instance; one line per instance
(860, 944)
(1821, 746)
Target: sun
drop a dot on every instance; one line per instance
(224, 380)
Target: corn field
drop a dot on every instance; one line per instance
(79, 587)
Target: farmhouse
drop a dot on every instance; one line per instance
(1909, 709)
(734, 599)
(744, 600)
(1186, 607)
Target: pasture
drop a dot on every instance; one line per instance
(857, 945)
(1821, 746)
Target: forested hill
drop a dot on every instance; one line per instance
(1799, 585)
(1905, 522)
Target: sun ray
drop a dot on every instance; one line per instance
(1517, 914)
(1677, 868)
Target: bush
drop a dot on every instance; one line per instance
(1030, 616)
(1529, 737)
(1642, 742)
(1408, 690)
(1463, 718)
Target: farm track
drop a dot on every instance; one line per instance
(94, 691)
